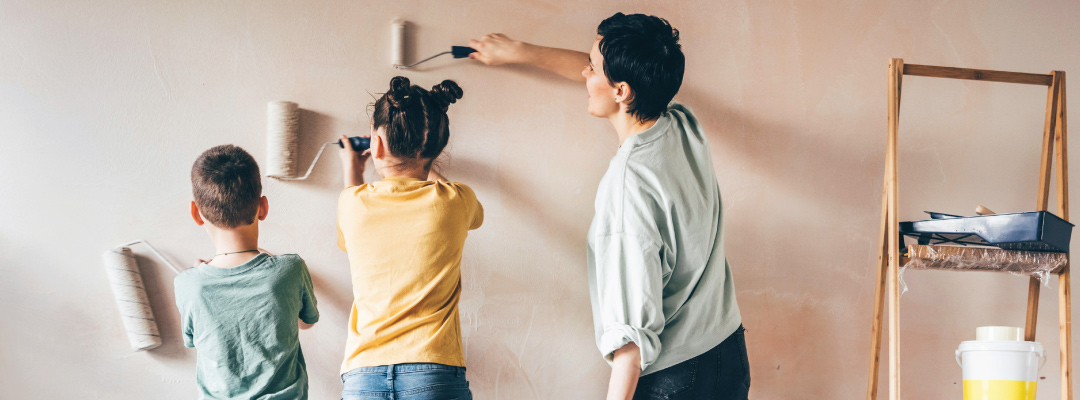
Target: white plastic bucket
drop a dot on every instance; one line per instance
(999, 369)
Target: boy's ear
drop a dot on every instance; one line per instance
(195, 214)
(264, 208)
(377, 149)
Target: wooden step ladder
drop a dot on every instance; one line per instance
(1054, 148)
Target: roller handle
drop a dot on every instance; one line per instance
(358, 143)
(461, 51)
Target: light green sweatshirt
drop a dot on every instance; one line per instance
(658, 276)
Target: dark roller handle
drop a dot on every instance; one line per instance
(358, 143)
(461, 51)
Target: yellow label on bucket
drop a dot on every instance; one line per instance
(999, 390)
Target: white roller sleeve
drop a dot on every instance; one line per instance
(130, 293)
(397, 42)
(282, 138)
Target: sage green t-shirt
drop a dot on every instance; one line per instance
(243, 322)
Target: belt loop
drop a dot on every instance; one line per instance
(390, 372)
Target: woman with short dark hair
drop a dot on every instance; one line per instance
(662, 294)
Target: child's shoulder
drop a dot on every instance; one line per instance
(353, 191)
(186, 278)
(460, 190)
(288, 262)
(456, 186)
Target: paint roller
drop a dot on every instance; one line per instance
(130, 294)
(283, 142)
(397, 47)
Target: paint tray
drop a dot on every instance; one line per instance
(1028, 231)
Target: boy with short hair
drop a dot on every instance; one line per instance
(240, 308)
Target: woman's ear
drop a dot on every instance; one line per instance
(195, 214)
(622, 92)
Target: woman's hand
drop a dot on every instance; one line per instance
(497, 49)
(352, 163)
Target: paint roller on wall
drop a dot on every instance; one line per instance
(130, 294)
(397, 47)
(283, 117)
(283, 142)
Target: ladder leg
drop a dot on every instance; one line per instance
(1065, 332)
(1032, 309)
(896, 73)
(879, 299)
(1064, 281)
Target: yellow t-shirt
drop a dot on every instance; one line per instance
(405, 238)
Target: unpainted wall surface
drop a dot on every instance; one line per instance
(104, 106)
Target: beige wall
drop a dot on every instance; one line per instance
(104, 105)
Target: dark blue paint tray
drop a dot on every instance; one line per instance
(1031, 231)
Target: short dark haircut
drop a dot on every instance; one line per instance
(415, 118)
(226, 185)
(643, 51)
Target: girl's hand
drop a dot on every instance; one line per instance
(497, 49)
(353, 163)
(348, 155)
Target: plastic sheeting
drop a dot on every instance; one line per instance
(1038, 264)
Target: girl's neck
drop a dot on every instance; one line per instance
(399, 169)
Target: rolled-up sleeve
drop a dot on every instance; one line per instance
(630, 293)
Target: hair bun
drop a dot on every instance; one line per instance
(398, 95)
(446, 93)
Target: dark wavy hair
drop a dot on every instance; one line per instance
(415, 118)
(643, 51)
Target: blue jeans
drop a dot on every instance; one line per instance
(420, 381)
(722, 373)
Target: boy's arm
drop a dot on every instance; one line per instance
(309, 306)
(187, 329)
(497, 49)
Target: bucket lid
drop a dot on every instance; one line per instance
(1011, 333)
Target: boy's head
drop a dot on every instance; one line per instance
(227, 188)
(636, 63)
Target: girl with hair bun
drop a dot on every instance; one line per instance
(404, 237)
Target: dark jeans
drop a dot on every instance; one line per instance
(722, 373)
(419, 381)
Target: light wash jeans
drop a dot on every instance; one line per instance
(420, 381)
